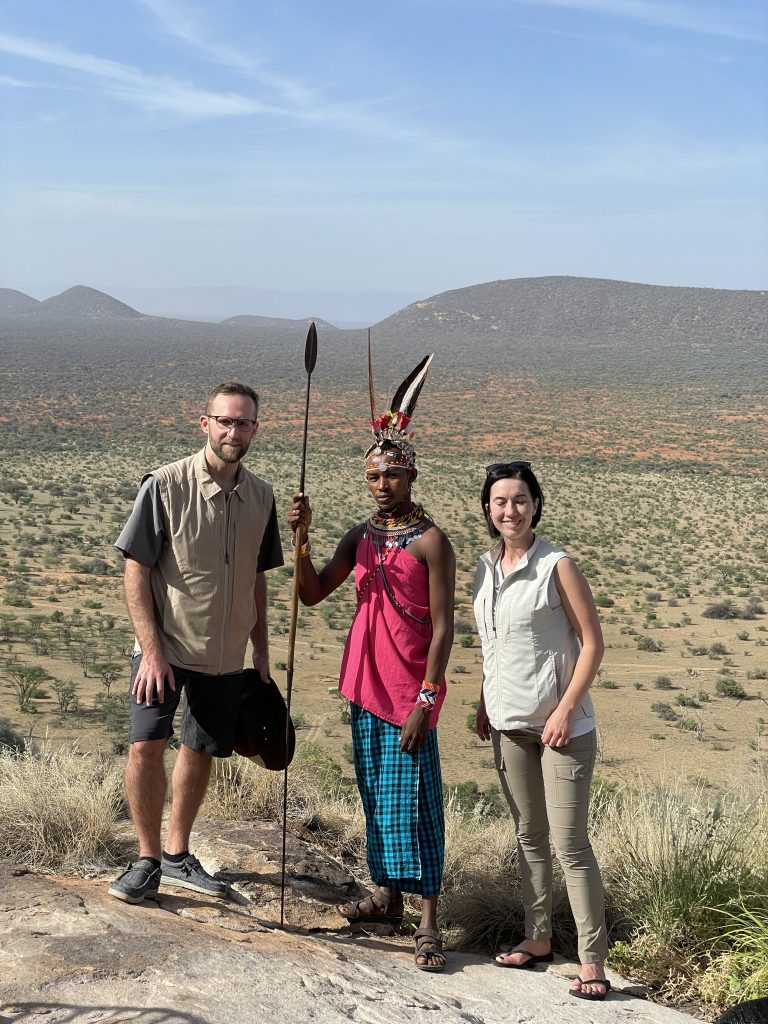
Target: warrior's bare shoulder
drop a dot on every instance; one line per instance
(433, 545)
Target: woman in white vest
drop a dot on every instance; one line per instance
(542, 646)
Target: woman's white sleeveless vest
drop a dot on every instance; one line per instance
(529, 648)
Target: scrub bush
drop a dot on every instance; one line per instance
(730, 688)
(720, 610)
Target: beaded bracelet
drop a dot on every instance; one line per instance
(427, 695)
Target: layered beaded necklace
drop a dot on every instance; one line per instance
(388, 531)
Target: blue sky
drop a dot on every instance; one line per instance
(405, 147)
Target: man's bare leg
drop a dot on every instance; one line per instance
(145, 788)
(191, 774)
(428, 912)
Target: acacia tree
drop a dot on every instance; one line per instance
(66, 694)
(9, 627)
(26, 680)
(84, 657)
(107, 671)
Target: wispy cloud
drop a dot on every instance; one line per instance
(91, 200)
(286, 99)
(186, 23)
(131, 85)
(726, 23)
(15, 83)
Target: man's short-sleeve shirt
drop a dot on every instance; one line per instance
(144, 533)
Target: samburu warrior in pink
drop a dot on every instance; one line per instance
(393, 672)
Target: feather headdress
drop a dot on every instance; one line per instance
(390, 428)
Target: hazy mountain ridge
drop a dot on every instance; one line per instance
(83, 302)
(570, 332)
(573, 365)
(538, 307)
(275, 323)
(593, 309)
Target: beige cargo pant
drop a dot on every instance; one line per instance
(547, 790)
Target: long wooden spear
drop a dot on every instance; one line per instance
(310, 358)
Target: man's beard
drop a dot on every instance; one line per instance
(228, 451)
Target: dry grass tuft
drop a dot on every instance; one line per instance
(59, 811)
(481, 904)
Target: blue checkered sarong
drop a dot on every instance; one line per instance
(402, 797)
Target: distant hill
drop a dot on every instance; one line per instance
(598, 311)
(521, 316)
(85, 303)
(267, 324)
(13, 302)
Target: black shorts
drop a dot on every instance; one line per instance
(210, 713)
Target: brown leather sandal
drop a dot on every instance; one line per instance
(378, 907)
(428, 944)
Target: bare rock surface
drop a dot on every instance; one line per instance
(248, 855)
(69, 953)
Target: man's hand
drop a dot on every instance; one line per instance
(261, 664)
(300, 515)
(150, 679)
(482, 722)
(413, 734)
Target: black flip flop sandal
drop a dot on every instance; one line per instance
(592, 996)
(527, 965)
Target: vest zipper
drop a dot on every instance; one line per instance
(226, 583)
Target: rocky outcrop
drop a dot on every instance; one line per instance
(71, 953)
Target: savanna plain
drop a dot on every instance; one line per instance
(653, 481)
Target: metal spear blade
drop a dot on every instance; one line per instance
(310, 349)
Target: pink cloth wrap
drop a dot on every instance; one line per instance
(385, 657)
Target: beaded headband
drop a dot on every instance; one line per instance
(392, 445)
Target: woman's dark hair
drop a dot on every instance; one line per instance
(510, 471)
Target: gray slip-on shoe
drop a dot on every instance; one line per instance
(138, 881)
(190, 874)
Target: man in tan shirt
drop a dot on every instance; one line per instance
(202, 534)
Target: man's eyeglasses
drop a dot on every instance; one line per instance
(227, 423)
(502, 468)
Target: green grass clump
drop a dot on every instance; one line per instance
(739, 968)
(672, 860)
